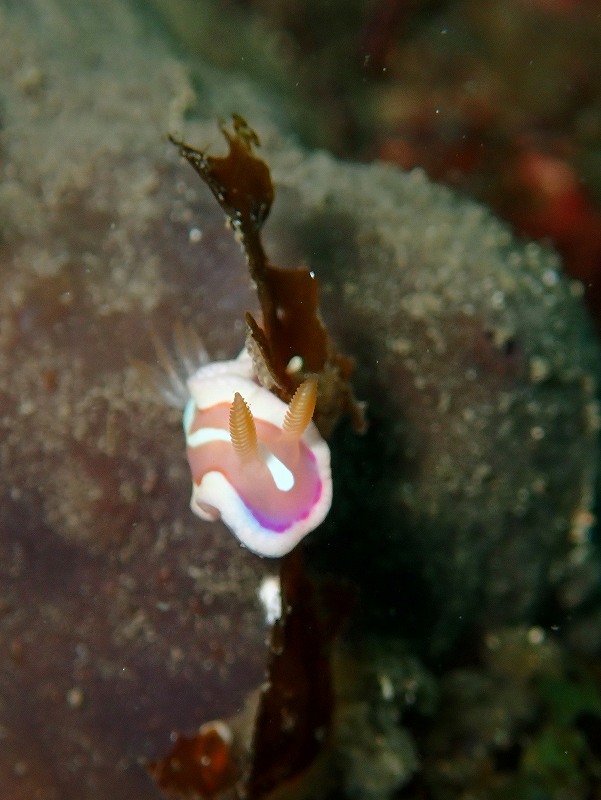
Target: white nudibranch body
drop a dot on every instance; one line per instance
(258, 464)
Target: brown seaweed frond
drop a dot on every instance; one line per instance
(280, 743)
(291, 328)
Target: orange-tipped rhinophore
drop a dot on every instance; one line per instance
(300, 409)
(243, 432)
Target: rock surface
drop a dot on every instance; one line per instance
(479, 367)
(124, 616)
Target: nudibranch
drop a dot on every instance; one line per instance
(258, 464)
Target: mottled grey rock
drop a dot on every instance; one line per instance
(472, 494)
(122, 614)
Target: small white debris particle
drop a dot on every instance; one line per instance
(498, 300)
(386, 687)
(536, 635)
(550, 277)
(75, 697)
(539, 369)
(271, 598)
(295, 365)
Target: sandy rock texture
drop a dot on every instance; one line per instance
(122, 616)
(473, 491)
